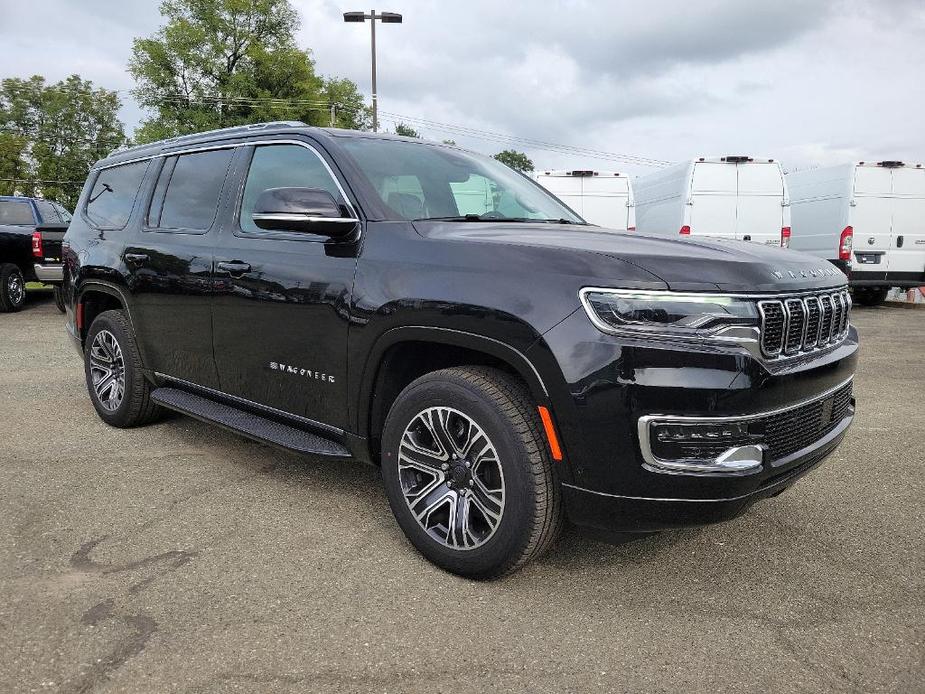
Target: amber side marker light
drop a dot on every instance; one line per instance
(550, 433)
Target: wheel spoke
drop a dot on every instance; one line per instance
(490, 504)
(432, 495)
(413, 455)
(107, 370)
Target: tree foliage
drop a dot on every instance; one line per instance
(516, 160)
(406, 130)
(218, 63)
(54, 133)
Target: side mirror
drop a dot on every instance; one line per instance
(309, 210)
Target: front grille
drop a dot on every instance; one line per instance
(796, 325)
(793, 430)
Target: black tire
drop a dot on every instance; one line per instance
(870, 296)
(135, 407)
(502, 408)
(59, 298)
(12, 288)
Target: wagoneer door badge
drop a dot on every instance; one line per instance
(299, 371)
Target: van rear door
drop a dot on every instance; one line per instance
(871, 218)
(760, 202)
(907, 235)
(713, 199)
(605, 201)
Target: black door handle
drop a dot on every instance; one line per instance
(899, 241)
(135, 259)
(234, 267)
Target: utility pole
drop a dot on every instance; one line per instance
(385, 18)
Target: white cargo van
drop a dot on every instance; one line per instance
(732, 197)
(868, 218)
(600, 197)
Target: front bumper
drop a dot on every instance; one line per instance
(609, 384)
(49, 273)
(599, 510)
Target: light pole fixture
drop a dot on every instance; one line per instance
(385, 18)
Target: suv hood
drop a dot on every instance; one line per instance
(697, 264)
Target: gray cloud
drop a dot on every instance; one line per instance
(811, 81)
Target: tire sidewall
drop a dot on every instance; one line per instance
(107, 321)
(519, 495)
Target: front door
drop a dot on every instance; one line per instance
(169, 263)
(280, 310)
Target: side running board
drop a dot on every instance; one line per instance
(251, 425)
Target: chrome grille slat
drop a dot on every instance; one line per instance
(796, 325)
(801, 324)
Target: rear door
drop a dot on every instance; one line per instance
(907, 233)
(759, 204)
(567, 189)
(713, 199)
(169, 263)
(605, 201)
(871, 218)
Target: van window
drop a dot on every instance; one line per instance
(112, 198)
(16, 213)
(193, 187)
(283, 166)
(47, 212)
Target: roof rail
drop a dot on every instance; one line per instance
(218, 131)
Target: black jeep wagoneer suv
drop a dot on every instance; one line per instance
(412, 305)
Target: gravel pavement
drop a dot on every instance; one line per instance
(179, 557)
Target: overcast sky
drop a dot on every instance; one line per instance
(808, 83)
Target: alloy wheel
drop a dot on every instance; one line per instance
(107, 370)
(451, 478)
(16, 289)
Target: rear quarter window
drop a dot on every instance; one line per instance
(112, 198)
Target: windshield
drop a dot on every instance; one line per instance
(419, 181)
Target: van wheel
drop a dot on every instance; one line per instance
(468, 473)
(59, 298)
(870, 296)
(118, 389)
(12, 288)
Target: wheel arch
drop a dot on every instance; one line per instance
(403, 354)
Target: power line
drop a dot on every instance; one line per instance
(530, 142)
(42, 181)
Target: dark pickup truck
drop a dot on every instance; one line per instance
(429, 310)
(31, 231)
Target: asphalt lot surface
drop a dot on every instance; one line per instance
(180, 557)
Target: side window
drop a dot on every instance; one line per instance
(188, 190)
(283, 166)
(112, 198)
(47, 212)
(63, 213)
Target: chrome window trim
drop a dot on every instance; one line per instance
(233, 145)
(656, 464)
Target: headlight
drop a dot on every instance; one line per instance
(667, 313)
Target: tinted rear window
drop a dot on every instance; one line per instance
(15, 212)
(110, 203)
(192, 191)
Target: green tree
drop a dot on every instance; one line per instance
(516, 160)
(218, 63)
(54, 133)
(406, 130)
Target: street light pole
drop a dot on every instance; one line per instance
(385, 18)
